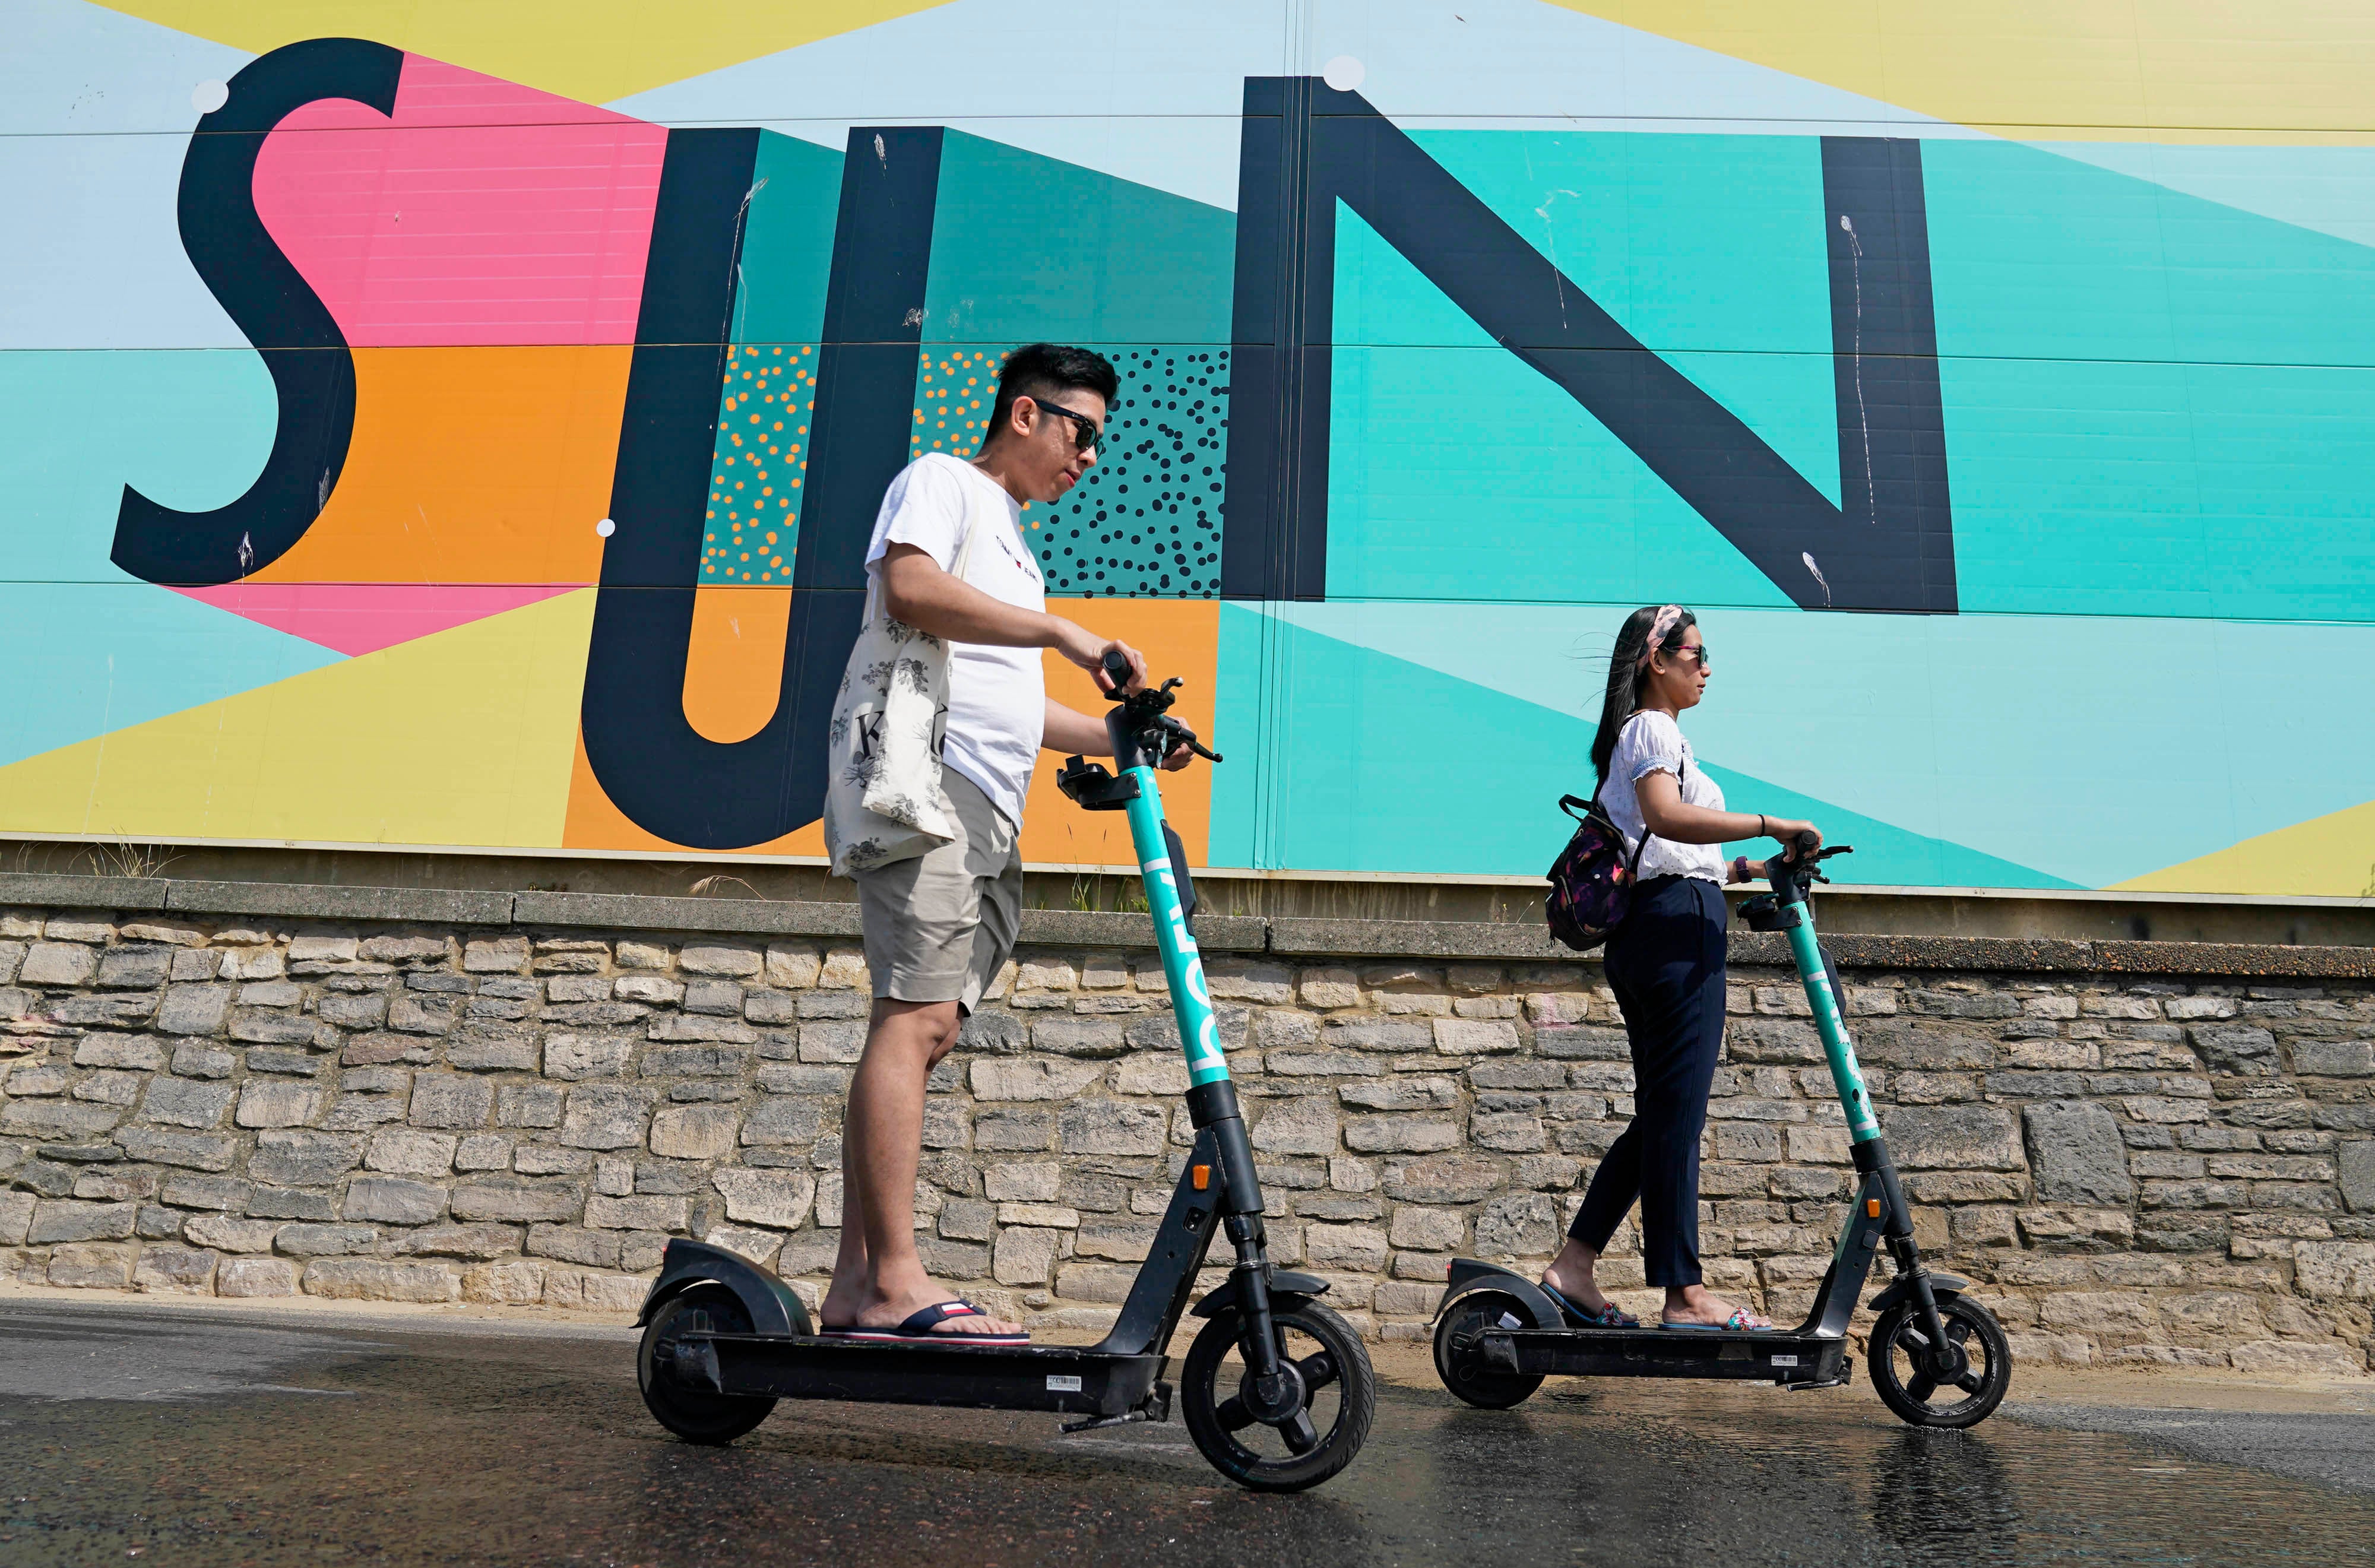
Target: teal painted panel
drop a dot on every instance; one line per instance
(1238, 833)
(1427, 773)
(188, 429)
(2127, 487)
(787, 242)
(1709, 250)
(1026, 248)
(2156, 405)
(2074, 746)
(1691, 242)
(2039, 257)
(1458, 472)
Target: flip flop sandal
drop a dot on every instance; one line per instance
(1740, 1318)
(1609, 1316)
(921, 1326)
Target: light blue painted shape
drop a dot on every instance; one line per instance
(95, 650)
(1424, 772)
(83, 70)
(2329, 189)
(1152, 90)
(1027, 248)
(92, 657)
(90, 253)
(1511, 60)
(1459, 472)
(2089, 749)
(1149, 93)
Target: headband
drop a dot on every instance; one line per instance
(1660, 629)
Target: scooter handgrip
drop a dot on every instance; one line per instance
(1116, 669)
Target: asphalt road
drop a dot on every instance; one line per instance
(138, 1434)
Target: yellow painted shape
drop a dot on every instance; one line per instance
(592, 51)
(460, 738)
(2276, 70)
(2329, 856)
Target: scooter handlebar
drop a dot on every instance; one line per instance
(1118, 670)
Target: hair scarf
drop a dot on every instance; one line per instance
(1660, 630)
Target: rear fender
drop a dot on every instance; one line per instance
(774, 1306)
(1468, 1276)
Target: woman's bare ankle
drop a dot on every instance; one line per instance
(1570, 1274)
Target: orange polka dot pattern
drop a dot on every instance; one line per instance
(1146, 521)
(757, 467)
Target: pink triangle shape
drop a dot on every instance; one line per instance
(362, 618)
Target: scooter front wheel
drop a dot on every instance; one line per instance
(1462, 1367)
(1309, 1427)
(695, 1414)
(1960, 1383)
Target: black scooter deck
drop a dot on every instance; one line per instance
(1749, 1355)
(1071, 1380)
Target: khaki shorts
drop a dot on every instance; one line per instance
(938, 926)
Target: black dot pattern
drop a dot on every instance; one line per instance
(1146, 521)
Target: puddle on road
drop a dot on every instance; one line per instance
(528, 1451)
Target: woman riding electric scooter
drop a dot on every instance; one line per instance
(1666, 964)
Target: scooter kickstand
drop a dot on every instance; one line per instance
(1156, 1408)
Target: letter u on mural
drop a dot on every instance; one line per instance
(466, 435)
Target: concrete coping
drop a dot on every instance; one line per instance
(1282, 937)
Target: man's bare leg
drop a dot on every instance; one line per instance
(878, 1279)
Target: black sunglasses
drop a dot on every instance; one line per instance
(1698, 652)
(1085, 433)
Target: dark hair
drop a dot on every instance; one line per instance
(1626, 671)
(1037, 369)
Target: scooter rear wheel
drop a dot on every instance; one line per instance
(1901, 1370)
(1331, 1420)
(1463, 1371)
(697, 1415)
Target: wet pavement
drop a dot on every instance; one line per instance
(141, 1435)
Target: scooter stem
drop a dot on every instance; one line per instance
(1211, 1097)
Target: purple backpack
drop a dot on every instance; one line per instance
(1591, 881)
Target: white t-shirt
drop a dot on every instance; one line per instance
(997, 697)
(1651, 742)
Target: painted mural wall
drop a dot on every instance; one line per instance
(440, 424)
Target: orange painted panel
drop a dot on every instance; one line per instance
(483, 464)
(1178, 637)
(734, 664)
(595, 823)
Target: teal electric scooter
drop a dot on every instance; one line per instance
(1937, 1357)
(1276, 1390)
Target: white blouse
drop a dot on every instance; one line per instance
(1651, 742)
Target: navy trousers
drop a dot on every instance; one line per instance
(1665, 963)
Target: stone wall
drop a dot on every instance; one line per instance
(2166, 1166)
